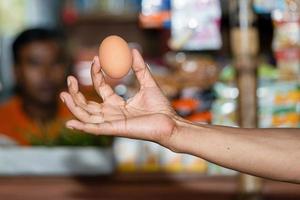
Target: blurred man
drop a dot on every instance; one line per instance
(40, 65)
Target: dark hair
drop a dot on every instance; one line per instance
(33, 35)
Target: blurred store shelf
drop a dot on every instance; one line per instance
(106, 18)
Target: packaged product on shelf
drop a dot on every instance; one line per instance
(194, 104)
(267, 73)
(224, 112)
(169, 86)
(197, 71)
(286, 41)
(286, 34)
(185, 107)
(127, 154)
(195, 25)
(278, 101)
(194, 96)
(279, 104)
(150, 153)
(286, 116)
(192, 70)
(267, 6)
(224, 108)
(193, 164)
(288, 62)
(214, 169)
(170, 161)
(203, 117)
(155, 14)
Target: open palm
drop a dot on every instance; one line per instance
(148, 115)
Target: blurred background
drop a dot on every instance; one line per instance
(233, 63)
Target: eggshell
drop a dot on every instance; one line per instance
(115, 56)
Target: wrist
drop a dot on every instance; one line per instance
(176, 139)
(188, 137)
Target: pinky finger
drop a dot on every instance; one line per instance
(86, 127)
(75, 124)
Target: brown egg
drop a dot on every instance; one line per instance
(115, 56)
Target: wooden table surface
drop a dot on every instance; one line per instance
(136, 186)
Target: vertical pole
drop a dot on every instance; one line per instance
(244, 43)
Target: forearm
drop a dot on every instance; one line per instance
(270, 153)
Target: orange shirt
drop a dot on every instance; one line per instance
(15, 124)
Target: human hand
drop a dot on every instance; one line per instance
(148, 115)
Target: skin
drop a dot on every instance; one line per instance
(268, 153)
(41, 75)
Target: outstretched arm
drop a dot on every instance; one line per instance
(269, 153)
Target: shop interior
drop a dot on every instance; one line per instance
(230, 63)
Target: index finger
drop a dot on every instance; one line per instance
(102, 88)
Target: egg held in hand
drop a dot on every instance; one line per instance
(115, 56)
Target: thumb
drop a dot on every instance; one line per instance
(141, 70)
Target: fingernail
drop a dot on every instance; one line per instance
(93, 60)
(62, 99)
(148, 66)
(70, 127)
(69, 82)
